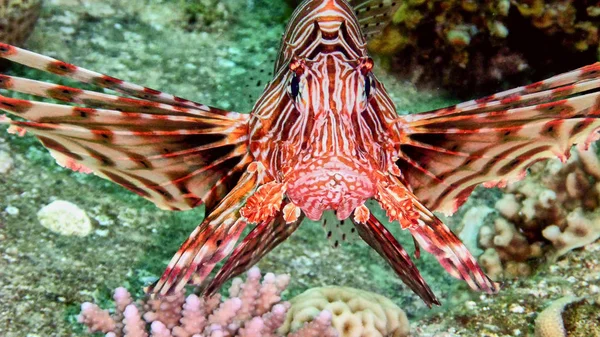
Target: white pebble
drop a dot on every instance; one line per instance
(65, 218)
(6, 162)
(517, 309)
(102, 232)
(471, 305)
(11, 210)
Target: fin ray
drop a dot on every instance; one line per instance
(258, 243)
(444, 154)
(176, 155)
(380, 239)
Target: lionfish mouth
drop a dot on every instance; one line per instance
(340, 190)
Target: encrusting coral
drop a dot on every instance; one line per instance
(556, 203)
(356, 313)
(254, 309)
(476, 45)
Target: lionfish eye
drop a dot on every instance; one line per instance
(367, 86)
(297, 68)
(365, 67)
(295, 86)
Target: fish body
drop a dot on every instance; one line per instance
(323, 137)
(312, 127)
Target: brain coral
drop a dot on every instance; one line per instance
(549, 322)
(356, 313)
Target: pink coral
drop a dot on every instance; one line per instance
(254, 309)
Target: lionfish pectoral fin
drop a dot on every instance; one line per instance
(417, 249)
(265, 203)
(431, 234)
(437, 239)
(174, 152)
(380, 239)
(213, 239)
(445, 153)
(261, 240)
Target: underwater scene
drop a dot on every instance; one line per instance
(349, 168)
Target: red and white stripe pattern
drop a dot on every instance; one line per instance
(444, 154)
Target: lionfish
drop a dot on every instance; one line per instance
(323, 138)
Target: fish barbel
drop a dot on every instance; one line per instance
(323, 138)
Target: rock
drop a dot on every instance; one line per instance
(6, 162)
(65, 218)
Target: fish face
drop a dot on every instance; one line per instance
(331, 168)
(310, 128)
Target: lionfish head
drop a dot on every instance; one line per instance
(322, 87)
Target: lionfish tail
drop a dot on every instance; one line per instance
(172, 151)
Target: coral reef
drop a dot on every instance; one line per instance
(17, 20)
(470, 46)
(65, 218)
(557, 203)
(254, 309)
(356, 313)
(512, 312)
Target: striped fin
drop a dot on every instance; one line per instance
(258, 243)
(67, 70)
(177, 157)
(437, 239)
(380, 239)
(431, 234)
(374, 15)
(95, 99)
(444, 154)
(213, 239)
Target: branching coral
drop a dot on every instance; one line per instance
(356, 313)
(556, 203)
(473, 45)
(254, 309)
